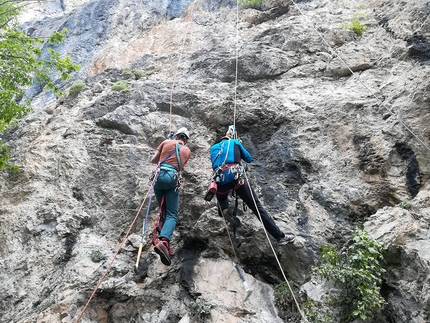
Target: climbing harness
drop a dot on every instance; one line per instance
(225, 174)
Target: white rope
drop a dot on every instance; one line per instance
(358, 78)
(235, 137)
(236, 68)
(177, 66)
(274, 253)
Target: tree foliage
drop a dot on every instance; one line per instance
(22, 62)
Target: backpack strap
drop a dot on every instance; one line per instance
(178, 156)
(226, 153)
(165, 158)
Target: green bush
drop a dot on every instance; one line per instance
(355, 24)
(138, 74)
(127, 71)
(251, 3)
(282, 295)
(358, 273)
(405, 205)
(357, 27)
(316, 312)
(75, 89)
(97, 256)
(120, 86)
(285, 301)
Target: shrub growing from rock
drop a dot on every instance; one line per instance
(75, 89)
(120, 86)
(252, 3)
(357, 271)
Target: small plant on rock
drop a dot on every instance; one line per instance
(256, 4)
(75, 89)
(286, 303)
(97, 256)
(120, 86)
(127, 71)
(355, 24)
(200, 311)
(138, 74)
(405, 205)
(318, 313)
(282, 295)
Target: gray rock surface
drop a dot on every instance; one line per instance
(337, 125)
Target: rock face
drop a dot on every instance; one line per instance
(337, 125)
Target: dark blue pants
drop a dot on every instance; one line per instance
(246, 193)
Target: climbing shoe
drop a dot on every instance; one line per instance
(166, 243)
(163, 250)
(233, 220)
(288, 238)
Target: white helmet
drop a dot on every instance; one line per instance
(231, 132)
(184, 131)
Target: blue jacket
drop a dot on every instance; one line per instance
(228, 151)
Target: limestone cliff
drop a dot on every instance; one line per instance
(337, 124)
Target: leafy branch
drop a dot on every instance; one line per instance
(22, 63)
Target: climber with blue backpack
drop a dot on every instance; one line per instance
(228, 175)
(171, 156)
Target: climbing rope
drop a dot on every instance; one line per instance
(177, 67)
(253, 198)
(361, 82)
(236, 67)
(116, 254)
(274, 253)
